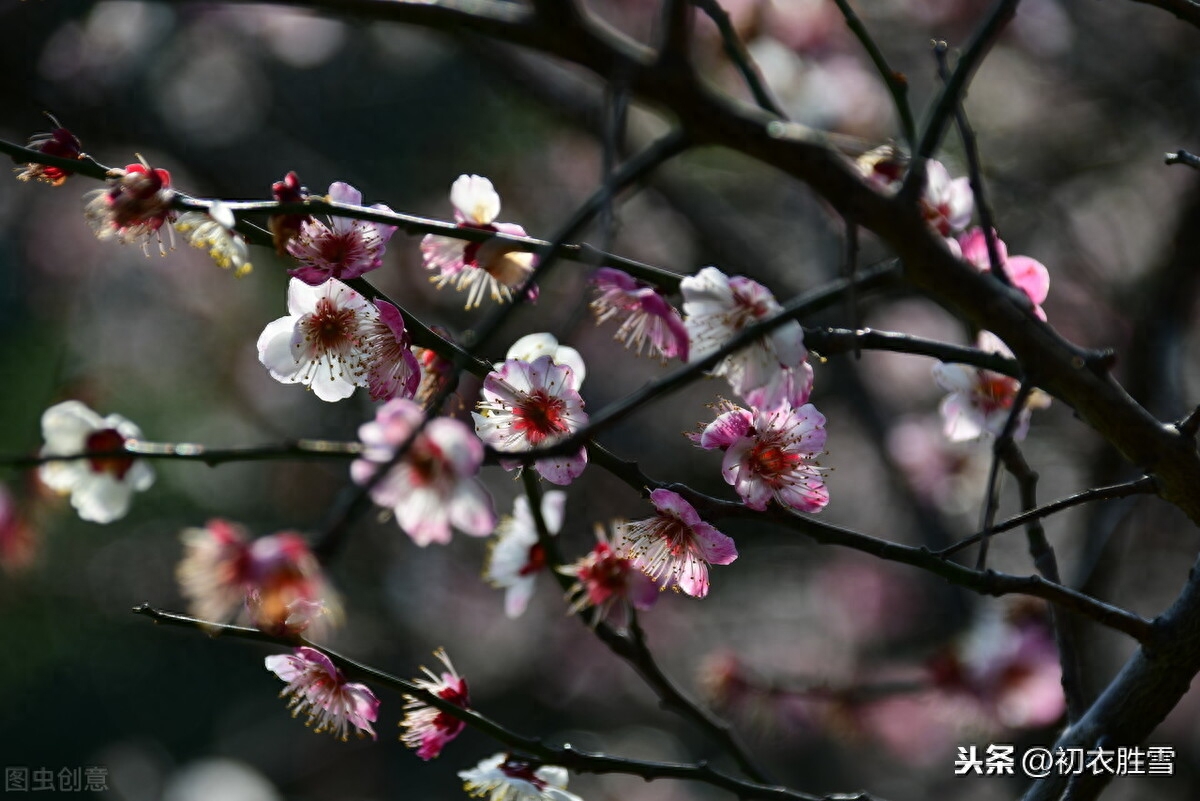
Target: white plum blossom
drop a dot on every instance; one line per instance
(980, 401)
(101, 486)
(433, 487)
(534, 404)
(717, 308)
(492, 267)
(214, 231)
(503, 777)
(771, 454)
(517, 557)
(344, 248)
(531, 346)
(322, 343)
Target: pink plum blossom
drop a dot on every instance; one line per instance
(320, 690)
(645, 314)
(675, 547)
(771, 454)
(59, 142)
(946, 203)
(717, 308)
(134, 207)
(427, 728)
(343, 248)
(529, 405)
(503, 777)
(273, 582)
(322, 343)
(517, 556)
(1028, 275)
(433, 487)
(606, 577)
(394, 371)
(980, 401)
(100, 487)
(492, 267)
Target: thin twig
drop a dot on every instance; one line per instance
(736, 50)
(896, 83)
(86, 166)
(992, 499)
(850, 270)
(1183, 157)
(189, 451)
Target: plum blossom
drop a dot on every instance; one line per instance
(717, 308)
(529, 405)
(516, 556)
(433, 487)
(1028, 275)
(286, 227)
(394, 371)
(503, 777)
(134, 207)
(322, 343)
(605, 577)
(946, 203)
(100, 486)
(320, 690)
(980, 401)
(531, 346)
(59, 142)
(427, 728)
(644, 313)
(675, 547)
(274, 583)
(213, 231)
(883, 166)
(771, 454)
(491, 267)
(344, 248)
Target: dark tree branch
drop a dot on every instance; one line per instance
(1182, 156)
(736, 50)
(999, 448)
(192, 452)
(896, 82)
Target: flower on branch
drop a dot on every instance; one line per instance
(771, 453)
(529, 405)
(717, 308)
(980, 401)
(644, 313)
(1028, 275)
(492, 267)
(100, 486)
(606, 577)
(214, 231)
(343, 248)
(675, 547)
(394, 371)
(274, 583)
(320, 690)
(436, 371)
(516, 555)
(427, 728)
(433, 486)
(503, 777)
(322, 343)
(286, 227)
(134, 207)
(531, 346)
(946, 203)
(59, 142)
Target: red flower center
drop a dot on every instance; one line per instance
(770, 461)
(542, 415)
(471, 249)
(520, 769)
(108, 439)
(536, 560)
(995, 392)
(331, 326)
(341, 249)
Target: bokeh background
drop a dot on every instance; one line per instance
(1074, 109)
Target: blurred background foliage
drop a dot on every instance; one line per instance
(1073, 108)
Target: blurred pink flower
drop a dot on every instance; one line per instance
(675, 547)
(606, 577)
(134, 207)
(980, 401)
(322, 343)
(18, 543)
(946, 203)
(717, 308)
(344, 248)
(427, 728)
(433, 487)
(771, 454)
(503, 777)
(1028, 275)
(101, 488)
(645, 314)
(533, 404)
(491, 267)
(516, 555)
(393, 370)
(321, 691)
